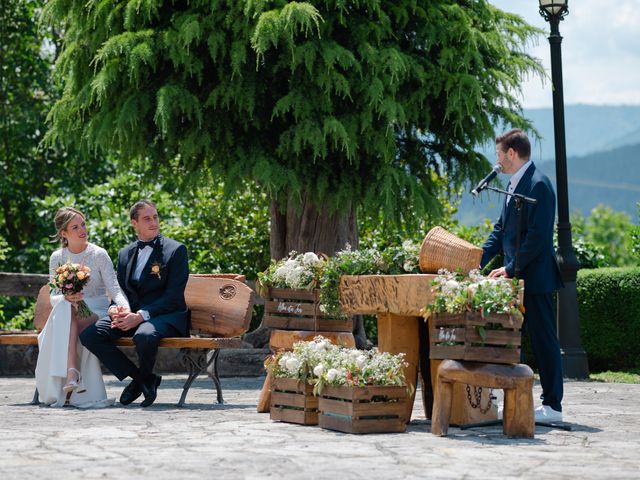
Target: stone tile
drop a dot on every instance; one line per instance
(206, 440)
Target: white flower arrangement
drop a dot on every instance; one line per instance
(298, 271)
(411, 253)
(321, 363)
(494, 295)
(356, 368)
(302, 362)
(455, 294)
(450, 294)
(307, 271)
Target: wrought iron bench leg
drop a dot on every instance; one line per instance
(213, 374)
(196, 362)
(36, 398)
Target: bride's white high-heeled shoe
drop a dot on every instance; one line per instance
(73, 384)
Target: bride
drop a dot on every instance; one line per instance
(66, 372)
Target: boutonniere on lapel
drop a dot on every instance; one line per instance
(156, 268)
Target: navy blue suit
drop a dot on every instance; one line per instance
(539, 270)
(161, 295)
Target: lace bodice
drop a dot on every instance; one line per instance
(103, 277)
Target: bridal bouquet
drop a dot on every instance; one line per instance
(71, 278)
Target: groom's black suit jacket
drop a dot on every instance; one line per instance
(161, 295)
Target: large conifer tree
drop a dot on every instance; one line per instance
(328, 105)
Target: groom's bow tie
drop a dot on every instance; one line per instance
(150, 243)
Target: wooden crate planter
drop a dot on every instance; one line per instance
(458, 337)
(293, 401)
(288, 309)
(371, 409)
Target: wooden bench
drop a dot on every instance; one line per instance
(220, 308)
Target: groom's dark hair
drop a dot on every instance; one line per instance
(516, 139)
(133, 213)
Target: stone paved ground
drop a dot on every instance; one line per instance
(232, 441)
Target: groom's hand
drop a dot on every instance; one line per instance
(116, 311)
(499, 272)
(127, 321)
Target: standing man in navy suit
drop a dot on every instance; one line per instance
(153, 273)
(534, 257)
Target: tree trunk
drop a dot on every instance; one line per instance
(305, 228)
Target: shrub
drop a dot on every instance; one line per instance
(603, 238)
(609, 308)
(588, 254)
(222, 234)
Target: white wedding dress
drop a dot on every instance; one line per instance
(53, 341)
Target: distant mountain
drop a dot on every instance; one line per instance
(609, 177)
(628, 139)
(588, 129)
(603, 164)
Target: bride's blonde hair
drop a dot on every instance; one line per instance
(61, 221)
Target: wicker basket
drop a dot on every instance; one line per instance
(441, 249)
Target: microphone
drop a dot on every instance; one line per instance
(485, 181)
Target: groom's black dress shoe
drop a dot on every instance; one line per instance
(131, 392)
(150, 390)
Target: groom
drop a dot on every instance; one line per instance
(153, 273)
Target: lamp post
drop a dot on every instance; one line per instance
(574, 358)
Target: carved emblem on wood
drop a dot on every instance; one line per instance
(227, 292)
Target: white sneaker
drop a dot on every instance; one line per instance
(546, 414)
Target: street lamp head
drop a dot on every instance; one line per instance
(554, 9)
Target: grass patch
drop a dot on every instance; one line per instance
(616, 377)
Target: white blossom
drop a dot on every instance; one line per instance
(292, 364)
(281, 273)
(310, 258)
(451, 285)
(283, 361)
(408, 266)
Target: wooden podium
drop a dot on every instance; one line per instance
(396, 300)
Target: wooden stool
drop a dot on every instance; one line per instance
(284, 340)
(516, 381)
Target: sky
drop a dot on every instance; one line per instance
(600, 52)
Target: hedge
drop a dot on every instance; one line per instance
(609, 309)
